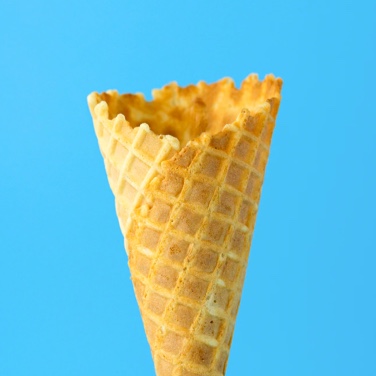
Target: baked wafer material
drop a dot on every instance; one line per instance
(186, 170)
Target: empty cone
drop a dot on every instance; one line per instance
(186, 170)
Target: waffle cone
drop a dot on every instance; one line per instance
(186, 170)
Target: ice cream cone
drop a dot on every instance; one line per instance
(186, 170)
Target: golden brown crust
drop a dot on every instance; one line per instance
(187, 190)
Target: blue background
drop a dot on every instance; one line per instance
(66, 301)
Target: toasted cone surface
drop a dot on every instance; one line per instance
(186, 170)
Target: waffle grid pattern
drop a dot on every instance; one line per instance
(173, 297)
(187, 218)
(129, 191)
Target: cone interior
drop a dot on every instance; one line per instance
(187, 207)
(187, 112)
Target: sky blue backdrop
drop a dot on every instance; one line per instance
(66, 301)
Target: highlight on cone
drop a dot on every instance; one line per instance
(186, 170)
